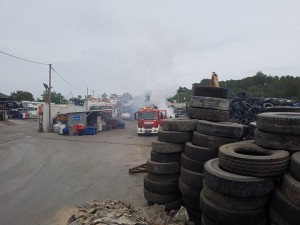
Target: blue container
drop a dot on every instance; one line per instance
(90, 131)
(66, 131)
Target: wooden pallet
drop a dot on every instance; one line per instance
(139, 169)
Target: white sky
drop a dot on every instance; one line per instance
(118, 46)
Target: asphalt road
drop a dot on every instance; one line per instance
(42, 176)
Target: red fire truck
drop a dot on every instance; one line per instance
(149, 120)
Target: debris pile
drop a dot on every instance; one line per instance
(115, 212)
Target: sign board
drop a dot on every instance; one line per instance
(76, 117)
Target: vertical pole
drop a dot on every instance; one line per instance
(49, 97)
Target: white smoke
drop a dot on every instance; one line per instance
(151, 61)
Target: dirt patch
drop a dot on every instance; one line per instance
(61, 216)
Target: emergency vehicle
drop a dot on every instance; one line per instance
(149, 120)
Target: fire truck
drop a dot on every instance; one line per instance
(149, 120)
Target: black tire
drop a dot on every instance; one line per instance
(191, 178)
(291, 188)
(163, 177)
(234, 203)
(209, 103)
(175, 205)
(165, 147)
(208, 114)
(276, 218)
(160, 198)
(208, 221)
(194, 215)
(249, 137)
(174, 136)
(163, 168)
(277, 141)
(267, 105)
(188, 190)
(193, 203)
(252, 127)
(295, 165)
(212, 142)
(279, 122)
(282, 109)
(220, 129)
(252, 113)
(231, 217)
(215, 92)
(233, 184)
(249, 159)
(182, 125)
(192, 165)
(160, 187)
(289, 210)
(164, 157)
(198, 153)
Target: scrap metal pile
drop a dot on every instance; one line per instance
(223, 178)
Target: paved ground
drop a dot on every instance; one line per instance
(43, 175)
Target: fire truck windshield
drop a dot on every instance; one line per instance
(148, 115)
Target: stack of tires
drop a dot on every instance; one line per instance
(251, 130)
(281, 130)
(210, 107)
(161, 182)
(285, 204)
(209, 103)
(238, 184)
(278, 130)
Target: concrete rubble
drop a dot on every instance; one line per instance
(116, 212)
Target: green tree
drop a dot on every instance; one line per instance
(23, 95)
(56, 98)
(104, 96)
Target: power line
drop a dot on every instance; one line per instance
(65, 80)
(27, 60)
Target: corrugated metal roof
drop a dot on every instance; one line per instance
(3, 96)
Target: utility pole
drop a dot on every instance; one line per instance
(49, 97)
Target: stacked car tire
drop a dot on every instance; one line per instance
(209, 103)
(210, 106)
(237, 186)
(281, 130)
(278, 130)
(161, 182)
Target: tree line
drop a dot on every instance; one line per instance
(260, 85)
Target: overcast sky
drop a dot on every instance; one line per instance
(118, 46)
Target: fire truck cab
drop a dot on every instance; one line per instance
(149, 120)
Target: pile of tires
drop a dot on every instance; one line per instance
(210, 106)
(238, 184)
(244, 108)
(161, 183)
(281, 130)
(278, 130)
(209, 103)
